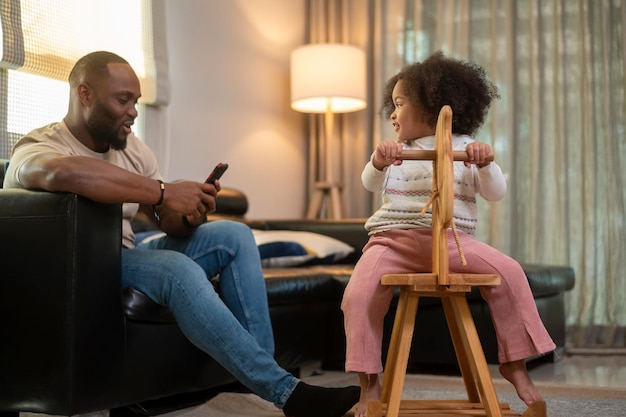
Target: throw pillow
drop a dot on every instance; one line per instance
(285, 248)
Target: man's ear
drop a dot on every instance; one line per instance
(85, 94)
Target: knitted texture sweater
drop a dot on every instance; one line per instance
(405, 189)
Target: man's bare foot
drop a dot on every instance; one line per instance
(517, 374)
(370, 391)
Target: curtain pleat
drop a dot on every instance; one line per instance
(12, 38)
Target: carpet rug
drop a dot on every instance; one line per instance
(562, 400)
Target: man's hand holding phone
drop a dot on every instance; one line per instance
(190, 221)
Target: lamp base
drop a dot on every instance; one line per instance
(329, 192)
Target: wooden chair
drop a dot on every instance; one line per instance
(451, 289)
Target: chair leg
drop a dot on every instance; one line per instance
(462, 357)
(459, 315)
(398, 355)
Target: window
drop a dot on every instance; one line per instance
(42, 39)
(30, 101)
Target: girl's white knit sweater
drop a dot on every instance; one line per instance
(405, 189)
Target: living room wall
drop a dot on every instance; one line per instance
(229, 74)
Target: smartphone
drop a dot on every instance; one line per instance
(216, 173)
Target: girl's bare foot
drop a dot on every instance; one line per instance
(517, 374)
(370, 391)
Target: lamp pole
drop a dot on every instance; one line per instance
(328, 188)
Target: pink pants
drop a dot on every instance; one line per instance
(519, 329)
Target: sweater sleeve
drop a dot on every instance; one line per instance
(491, 182)
(372, 178)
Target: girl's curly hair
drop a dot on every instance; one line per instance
(438, 81)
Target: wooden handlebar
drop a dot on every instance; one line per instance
(424, 155)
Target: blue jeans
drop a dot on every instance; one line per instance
(233, 327)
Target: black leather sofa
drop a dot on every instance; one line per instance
(74, 342)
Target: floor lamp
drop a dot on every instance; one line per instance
(327, 78)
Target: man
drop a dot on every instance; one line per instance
(93, 152)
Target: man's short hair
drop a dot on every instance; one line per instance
(93, 66)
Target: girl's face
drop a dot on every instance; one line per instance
(408, 120)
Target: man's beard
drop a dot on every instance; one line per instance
(101, 124)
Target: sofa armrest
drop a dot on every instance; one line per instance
(60, 301)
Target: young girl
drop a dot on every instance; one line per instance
(400, 240)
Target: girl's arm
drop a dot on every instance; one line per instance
(491, 182)
(385, 154)
(372, 178)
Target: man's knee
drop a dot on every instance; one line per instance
(231, 233)
(225, 226)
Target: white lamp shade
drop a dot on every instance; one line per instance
(328, 76)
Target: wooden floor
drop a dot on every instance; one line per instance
(592, 370)
(588, 370)
(607, 371)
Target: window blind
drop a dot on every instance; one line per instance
(46, 37)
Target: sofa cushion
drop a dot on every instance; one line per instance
(544, 280)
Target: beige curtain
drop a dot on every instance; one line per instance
(559, 130)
